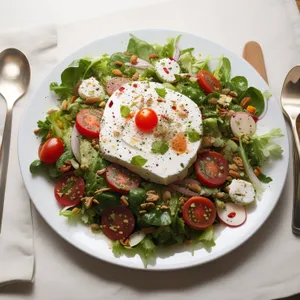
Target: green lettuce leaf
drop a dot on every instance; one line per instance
(207, 237)
(140, 48)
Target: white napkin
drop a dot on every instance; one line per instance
(265, 267)
(16, 237)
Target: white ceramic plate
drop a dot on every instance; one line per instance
(41, 190)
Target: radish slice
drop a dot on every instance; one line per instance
(232, 215)
(75, 143)
(142, 64)
(136, 238)
(242, 124)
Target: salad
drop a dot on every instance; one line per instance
(155, 145)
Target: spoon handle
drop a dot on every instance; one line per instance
(4, 157)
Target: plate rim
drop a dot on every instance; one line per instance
(117, 261)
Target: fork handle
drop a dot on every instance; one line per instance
(4, 157)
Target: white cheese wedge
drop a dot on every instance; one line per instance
(241, 192)
(166, 69)
(120, 140)
(90, 88)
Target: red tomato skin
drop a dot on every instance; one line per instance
(113, 168)
(203, 201)
(79, 190)
(120, 213)
(208, 82)
(51, 150)
(146, 120)
(92, 117)
(211, 182)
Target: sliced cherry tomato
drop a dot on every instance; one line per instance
(69, 190)
(117, 222)
(51, 150)
(211, 169)
(208, 81)
(199, 212)
(146, 119)
(88, 122)
(121, 179)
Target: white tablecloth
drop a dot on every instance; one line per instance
(268, 265)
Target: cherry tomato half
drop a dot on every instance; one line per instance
(88, 122)
(117, 222)
(199, 212)
(211, 169)
(69, 190)
(146, 119)
(208, 81)
(121, 179)
(51, 150)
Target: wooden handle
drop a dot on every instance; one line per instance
(253, 54)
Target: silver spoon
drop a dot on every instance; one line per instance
(290, 101)
(14, 81)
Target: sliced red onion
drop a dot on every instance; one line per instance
(190, 75)
(176, 53)
(187, 181)
(183, 190)
(142, 64)
(75, 164)
(75, 143)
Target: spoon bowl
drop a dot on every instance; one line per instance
(14, 82)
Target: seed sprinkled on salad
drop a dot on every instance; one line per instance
(153, 146)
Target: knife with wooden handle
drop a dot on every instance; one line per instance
(253, 54)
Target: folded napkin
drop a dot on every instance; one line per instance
(16, 237)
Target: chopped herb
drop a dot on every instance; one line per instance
(138, 160)
(160, 147)
(125, 111)
(161, 92)
(193, 136)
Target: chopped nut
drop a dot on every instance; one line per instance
(212, 100)
(125, 242)
(133, 59)
(164, 207)
(117, 72)
(92, 100)
(223, 112)
(233, 167)
(200, 151)
(95, 226)
(182, 114)
(151, 56)
(64, 168)
(238, 161)
(87, 201)
(100, 172)
(49, 112)
(36, 131)
(96, 201)
(152, 196)
(207, 141)
(148, 229)
(101, 191)
(113, 228)
(127, 53)
(226, 189)
(116, 133)
(76, 88)
(75, 210)
(245, 102)
(142, 211)
(124, 200)
(182, 200)
(235, 139)
(166, 196)
(234, 174)
(68, 163)
(64, 105)
(118, 63)
(60, 194)
(194, 187)
(135, 76)
(60, 124)
(73, 98)
(233, 94)
(257, 171)
(149, 101)
(147, 205)
(225, 91)
(102, 104)
(229, 178)
(219, 195)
